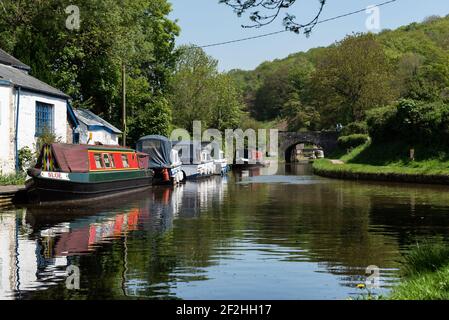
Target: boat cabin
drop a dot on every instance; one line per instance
(88, 158)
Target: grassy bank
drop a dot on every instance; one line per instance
(388, 162)
(425, 275)
(12, 179)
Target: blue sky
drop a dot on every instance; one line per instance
(205, 21)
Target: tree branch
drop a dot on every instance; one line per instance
(267, 11)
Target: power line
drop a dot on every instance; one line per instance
(282, 31)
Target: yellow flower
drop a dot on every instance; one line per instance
(361, 286)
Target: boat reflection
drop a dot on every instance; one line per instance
(38, 244)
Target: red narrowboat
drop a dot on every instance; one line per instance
(75, 172)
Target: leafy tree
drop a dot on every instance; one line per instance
(200, 92)
(350, 79)
(86, 63)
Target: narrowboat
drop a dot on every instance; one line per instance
(196, 159)
(163, 159)
(77, 172)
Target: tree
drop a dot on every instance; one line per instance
(201, 93)
(351, 78)
(86, 63)
(267, 11)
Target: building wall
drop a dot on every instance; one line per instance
(102, 136)
(27, 118)
(7, 163)
(27, 123)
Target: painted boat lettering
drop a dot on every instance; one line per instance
(55, 175)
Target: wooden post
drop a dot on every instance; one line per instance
(124, 102)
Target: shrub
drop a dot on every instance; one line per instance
(355, 128)
(352, 141)
(26, 158)
(411, 122)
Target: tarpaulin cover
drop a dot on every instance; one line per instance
(158, 148)
(65, 157)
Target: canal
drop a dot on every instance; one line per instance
(291, 235)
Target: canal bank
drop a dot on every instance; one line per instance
(326, 168)
(387, 162)
(10, 195)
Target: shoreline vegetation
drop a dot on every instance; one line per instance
(425, 275)
(348, 167)
(17, 179)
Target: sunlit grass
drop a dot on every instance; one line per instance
(425, 274)
(12, 179)
(389, 159)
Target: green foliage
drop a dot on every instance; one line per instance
(412, 122)
(426, 257)
(426, 273)
(200, 92)
(26, 158)
(13, 179)
(86, 63)
(352, 141)
(351, 78)
(355, 128)
(340, 83)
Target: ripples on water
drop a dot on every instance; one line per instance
(249, 236)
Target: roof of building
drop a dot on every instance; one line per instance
(90, 119)
(6, 58)
(27, 82)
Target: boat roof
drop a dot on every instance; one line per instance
(74, 157)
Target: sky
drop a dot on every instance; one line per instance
(205, 22)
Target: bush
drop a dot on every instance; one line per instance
(355, 128)
(352, 141)
(26, 158)
(411, 122)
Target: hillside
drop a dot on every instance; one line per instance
(417, 64)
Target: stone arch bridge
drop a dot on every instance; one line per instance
(324, 139)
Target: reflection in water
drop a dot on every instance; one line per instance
(250, 236)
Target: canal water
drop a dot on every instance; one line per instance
(291, 235)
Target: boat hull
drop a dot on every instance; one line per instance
(85, 186)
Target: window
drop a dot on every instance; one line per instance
(125, 161)
(106, 160)
(98, 162)
(44, 118)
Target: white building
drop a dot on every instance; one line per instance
(94, 130)
(28, 106)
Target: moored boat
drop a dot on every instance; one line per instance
(163, 159)
(78, 172)
(196, 159)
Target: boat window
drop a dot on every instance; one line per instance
(98, 162)
(125, 161)
(107, 160)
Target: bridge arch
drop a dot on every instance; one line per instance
(324, 139)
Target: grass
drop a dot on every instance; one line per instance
(12, 179)
(387, 159)
(425, 274)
